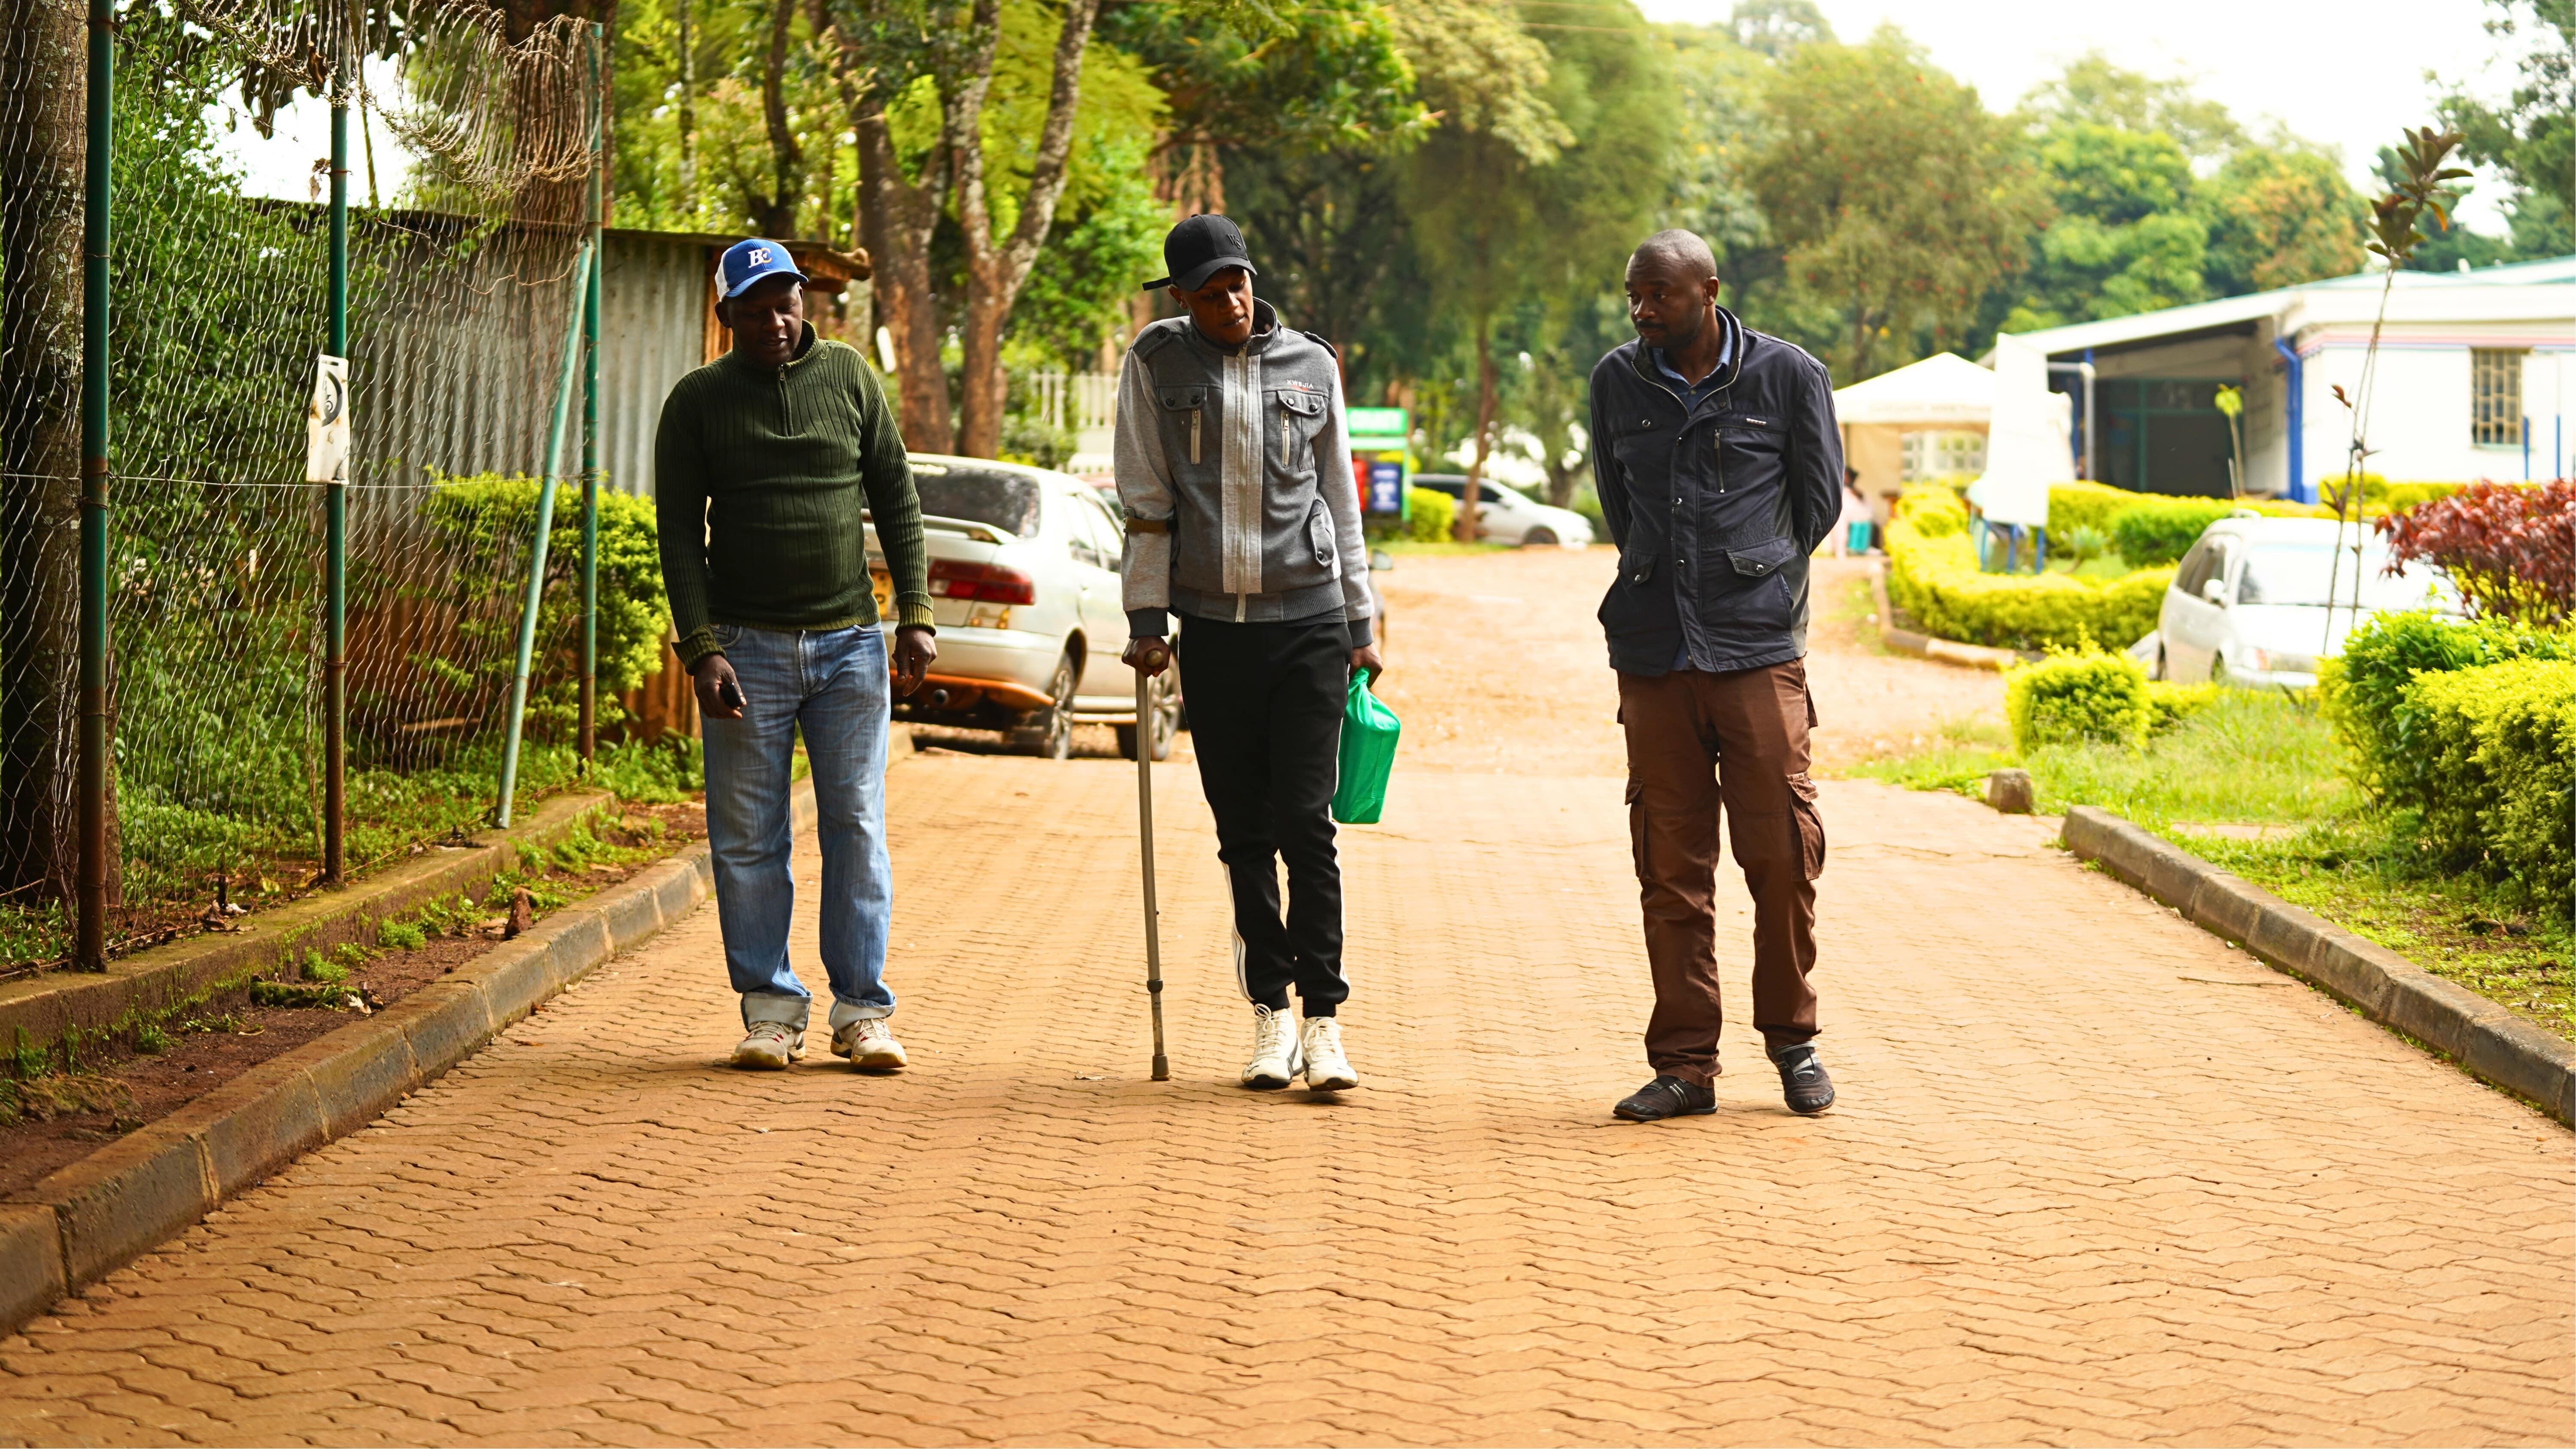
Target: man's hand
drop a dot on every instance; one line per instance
(1148, 657)
(914, 648)
(711, 676)
(1366, 658)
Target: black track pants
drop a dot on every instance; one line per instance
(1265, 704)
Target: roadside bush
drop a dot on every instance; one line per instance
(2174, 703)
(2501, 742)
(2505, 544)
(484, 523)
(1934, 578)
(2162, 530)
(1935, 512)
(2082, 504)
(1429, 517)
(2069, 699)
(2365, 692)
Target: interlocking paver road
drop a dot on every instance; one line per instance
(2094, 1178)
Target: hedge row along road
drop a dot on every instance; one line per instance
(2093, 1175)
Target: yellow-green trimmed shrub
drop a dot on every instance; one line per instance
(2502, 740)
(2069, 699)
(2173, 703)
(2083, 505)
(1935, 579)
(1933, 510)
(1429, 516)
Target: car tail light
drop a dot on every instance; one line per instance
(982, 583)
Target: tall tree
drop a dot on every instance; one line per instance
(1898, 199)
(2280, 215)
(2531, 137)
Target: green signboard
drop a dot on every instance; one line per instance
(1375, 423)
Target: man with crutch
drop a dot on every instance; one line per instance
(1720, 469)
(1234, 469)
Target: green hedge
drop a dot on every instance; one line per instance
(2365, 690)
(2472, 726)
(1934, 578)
(1429, 516)
(2070, 699)
(2502, 742)
(2083, 505)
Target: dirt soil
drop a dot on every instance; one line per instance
(229, 1034)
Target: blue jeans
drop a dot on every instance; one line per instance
(832, 684)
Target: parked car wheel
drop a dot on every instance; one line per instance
(2159, 672)
(1165, 720)
(1538, 538)
(1048, 733)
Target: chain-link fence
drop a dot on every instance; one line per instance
(460, 290)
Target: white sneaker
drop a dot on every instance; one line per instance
(1319, 1041)
(870, 1045)
(769, 1046)
(1275, 1059)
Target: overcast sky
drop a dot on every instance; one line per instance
(2351, 76)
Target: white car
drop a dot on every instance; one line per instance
(2248, 606)
(1504, 515)
(1024, 588)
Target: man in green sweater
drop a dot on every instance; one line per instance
(770, 465)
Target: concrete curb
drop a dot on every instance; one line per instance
(1946, 651)
(2490, 1042)
(76, 1226)
(166, 978)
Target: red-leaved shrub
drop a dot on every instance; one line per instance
(2511, 547)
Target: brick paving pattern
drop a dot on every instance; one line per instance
(2094, 1178)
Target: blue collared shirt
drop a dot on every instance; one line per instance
(1692, 392)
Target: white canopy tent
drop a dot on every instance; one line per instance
(1944, 393)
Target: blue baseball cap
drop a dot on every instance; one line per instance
(746, 262)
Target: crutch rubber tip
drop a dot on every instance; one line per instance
(1162, 1069)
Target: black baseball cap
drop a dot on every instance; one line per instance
(1198, 249)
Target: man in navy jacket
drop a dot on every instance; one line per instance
(1720, 469)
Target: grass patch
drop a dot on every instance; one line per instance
(2247, 758)
(2365, 875)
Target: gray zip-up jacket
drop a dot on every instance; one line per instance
(1234, 470)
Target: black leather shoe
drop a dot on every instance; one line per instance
(1802, 1079)
(1667, 1097)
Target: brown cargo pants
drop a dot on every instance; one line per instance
(1697, 741)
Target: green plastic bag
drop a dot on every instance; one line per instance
(1369, 731)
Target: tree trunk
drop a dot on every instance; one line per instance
(897, 218)
(42, 149)
(778, 217)
(1486, 402)
(997, 268)
(688, 119)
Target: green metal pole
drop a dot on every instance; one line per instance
(545, 531)
(90, 942)
(590, 432)
(335, 651)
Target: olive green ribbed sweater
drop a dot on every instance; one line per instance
(759, 479)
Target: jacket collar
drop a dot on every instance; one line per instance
(1265, 328)
(1739, 340)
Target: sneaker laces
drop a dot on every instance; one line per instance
(769, 1031)
(871, 1028)
(1324, 1033)
(1269, 1030)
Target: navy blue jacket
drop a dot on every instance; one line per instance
(1715, 508)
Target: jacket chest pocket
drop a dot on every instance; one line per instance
(1300, 411)
(1186, 410)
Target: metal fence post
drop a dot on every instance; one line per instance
(590, 430)
(90, 941)
(544, 535)
(335, 646)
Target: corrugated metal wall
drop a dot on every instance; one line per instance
(652, 333)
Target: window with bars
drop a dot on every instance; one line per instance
(2495, 396)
